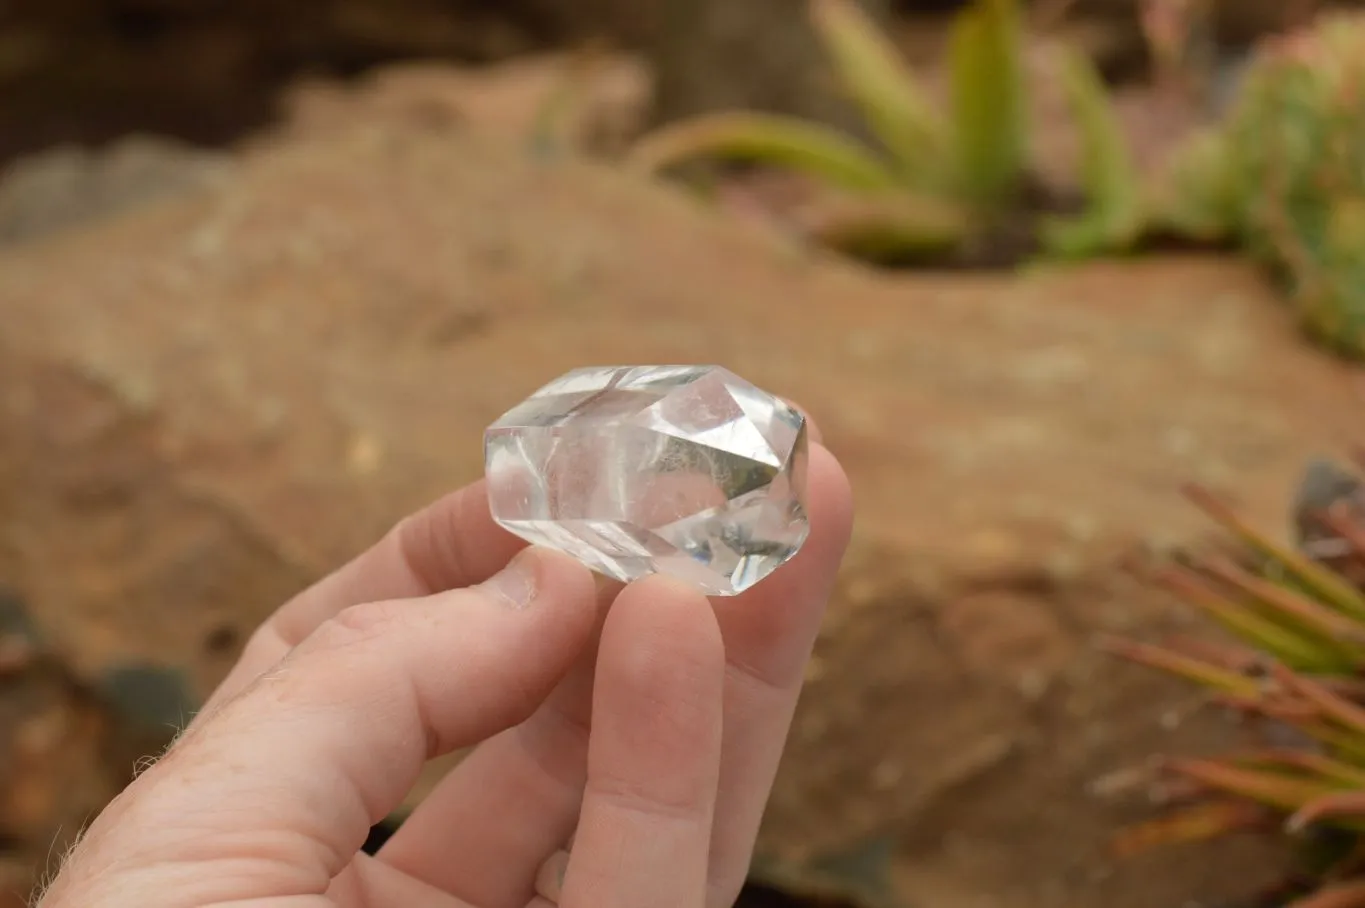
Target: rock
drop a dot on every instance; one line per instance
(63, 755)
(63, 186)
(590, 101)
(552, 103)
(208, 403)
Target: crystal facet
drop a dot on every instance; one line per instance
(688, 471)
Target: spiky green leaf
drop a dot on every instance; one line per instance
(1285, 643)
(1197, 823)
(818, 151)
(1313, 578)
(895, 228)
(1273, 789)
(878, 81)
(1112, 220)
(1195, 670)
(988, 110)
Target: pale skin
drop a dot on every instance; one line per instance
(645, 722)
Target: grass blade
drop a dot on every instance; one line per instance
(1285, 606)
(763, 138)
(1273, 638)
(1233, 657)
(1316, 579)
(1273, 789)
(1343, 712)
(1286, 712)
(1311, 764)
(1344, 744)
(1340, 808)
(1192, 824)
(1202, 673)
(896, 108)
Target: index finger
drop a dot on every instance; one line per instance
(451, 543)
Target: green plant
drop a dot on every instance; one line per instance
(1115, 216)
(1298, 623)
(1284, 175)
(1196, 194)
(988, 117)
(1300, 133)
(937, 181)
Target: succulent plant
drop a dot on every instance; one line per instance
(1299, 131)
(934, 180)
(1285, 175)
(1296, 616)
(1196, 195)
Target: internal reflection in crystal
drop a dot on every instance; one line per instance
(684, 470)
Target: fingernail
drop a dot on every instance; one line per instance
(517, 583)
(550, 877)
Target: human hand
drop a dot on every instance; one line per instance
(449, 633)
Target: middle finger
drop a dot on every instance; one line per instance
(515, 800)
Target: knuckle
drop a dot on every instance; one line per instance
(650, 800)
(413, 539)
(428, 544)
(358, 625)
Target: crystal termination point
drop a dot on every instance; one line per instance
(688, 471)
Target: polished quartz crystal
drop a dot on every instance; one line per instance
(688, 471)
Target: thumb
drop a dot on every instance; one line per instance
(274, 791)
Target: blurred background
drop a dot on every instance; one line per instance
(1074, 288)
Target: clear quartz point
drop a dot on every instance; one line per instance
(688, 471)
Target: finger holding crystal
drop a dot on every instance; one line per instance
(514, 801)
(450, 543)
(626, 460)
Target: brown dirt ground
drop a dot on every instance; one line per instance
(210, 401)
